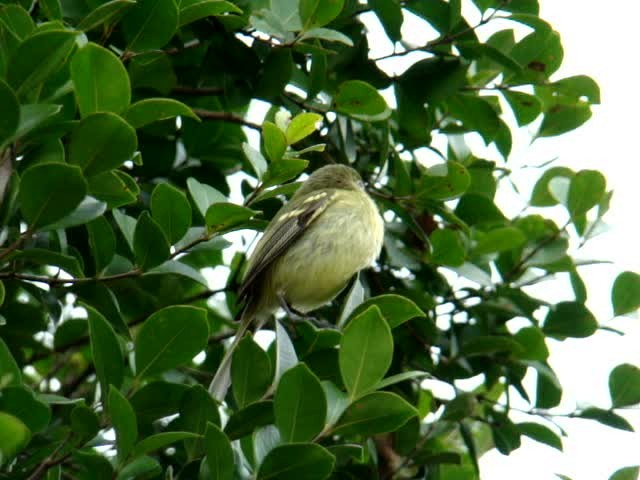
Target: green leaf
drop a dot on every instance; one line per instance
(541, 196)
(49, 191)
(250, 372)
(89, 209)
(101, 142)
(84, 422)
(105, 14)
(526, 108)
(24, 405)
(300, 406)
(204, 195)
(585, 191)
(389, 13)
(10, 113)
(193, 10)
(361, 101)
(152, 110)
(578, 87)
(444, 181)
(52, 9)
(38, 57)
(257, 161)
(41, 256)
(9, 371)
(116, 188)
(124, 422)
(197, 408)
(548, 388)
(17, 24)
(461, 407)
(171, 210)
(245, 421)
(175, 267)
(219, 454)
(169, 338)
(400, 377)
(317, 13)
(127, 226)
(102, 242)
(606, 417)
(532, 341)
(626, 473)
(105, 350)
(14, 436)
(433, 80)
(476, 115)
(327, 34)
(506, 435)
(540, 433)
(446, 248)
(396, 309)
(624, 385)
(569, 319)
(34, 116)
(301, 461)
(142, 467)
(378, 412)
(561, 119)
(149, 242)
(150, 24)
(366, 350)
(280, 171)
(286, 357)
(274, 141)
(160, 440)
(100, 81)
(500, 240)
(625, 294)
(301, 126)
(225, 216)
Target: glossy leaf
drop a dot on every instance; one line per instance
(360, 100)
(569, 319)
(150, 24)
(150, 244)
(250, 372)
(123, 419)
(624, 385)
(100, 81)
(396, 309)
(625, 294)
(171, 210)
(301, 461)
(219, 453)
(152, 110)
(366, 350)
(11, 115)
(105, 350)
(378, 412)
(169, 338)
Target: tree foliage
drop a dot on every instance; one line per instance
(123, 121)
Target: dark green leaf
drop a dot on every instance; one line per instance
(500, 240)
(626, 473)
(506, 435)
(485, 345)
(160, 440)
(569, 319)
(100, 81)
(317, 13)
(245, 421)
(49, 191)
(152, 110)
(561, 119)
(541, 196)
(101, 142)
(193, 10)
(526, 108)
(625, 294)
(219, 453)
(104, 14)
(624, 385)
(301, 461)
(396, 309)
(84, 422)
(378, 412)
(149, 242)
(280, 171)
(585, 191)
(171, 210)
(224, 216)
(461, 407)
(150, 24)
(532, 341)
(24, 405)
(444, 182)
(204, 195)
(105, 349)
(606, 417)
(197, 408)
(366, 350)
(124, 422)
(102, 241)
(390, 15)
(169, 338)
(446, 248)
(37, 58)
(250, 372)
(300, 406)
(114, 187)
(541, 434)
(361, 101)
(140, 468)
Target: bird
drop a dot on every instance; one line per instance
(329, 231)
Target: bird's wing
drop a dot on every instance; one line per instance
(284, 229)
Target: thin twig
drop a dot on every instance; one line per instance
(50, 461)
(76, 281)
(225, 117)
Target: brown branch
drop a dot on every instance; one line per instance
(225, 117)
(76, 281)
(50, 461)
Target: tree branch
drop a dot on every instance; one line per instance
(225, 117)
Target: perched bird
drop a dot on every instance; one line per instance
(326, 233)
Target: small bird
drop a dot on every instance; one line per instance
(329, 231)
